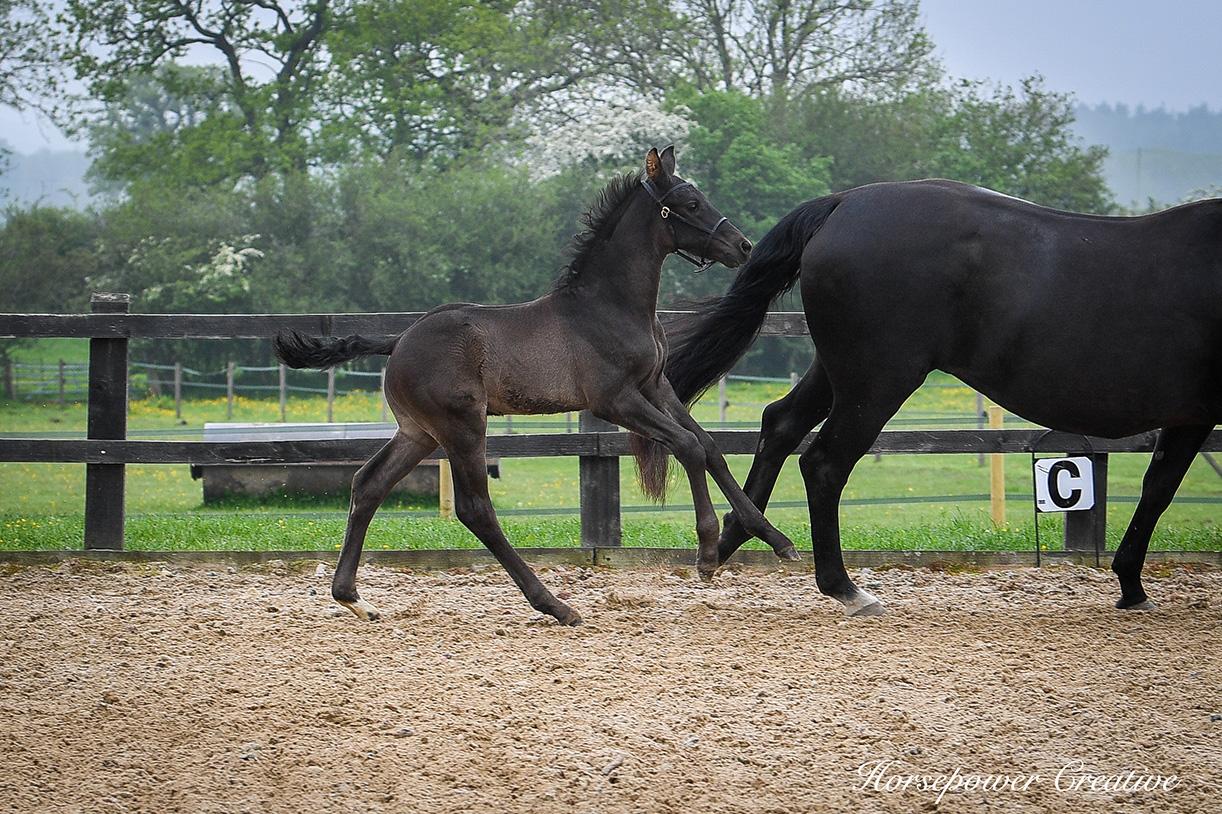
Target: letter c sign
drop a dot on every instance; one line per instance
(1064, 484)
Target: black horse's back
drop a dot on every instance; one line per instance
(299, 351)
(706, 344)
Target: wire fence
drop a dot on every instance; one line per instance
(67, 383)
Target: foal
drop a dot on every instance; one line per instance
(594, 342)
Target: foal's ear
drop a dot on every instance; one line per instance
(654, 169)
(668, 159)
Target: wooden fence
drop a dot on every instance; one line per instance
(106, 451)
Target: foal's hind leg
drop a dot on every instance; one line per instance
(1173, 454)
(370, 486)
(786, 423)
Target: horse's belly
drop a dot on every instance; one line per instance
(1107, 403)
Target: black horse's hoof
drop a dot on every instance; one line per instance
(1143, 604)
(789, 555)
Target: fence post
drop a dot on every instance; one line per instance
(178, 389)
(284, 391)
(229, 368)
(382, 393)
(445, 489)
(330, 394)
(104, 483)
(63, 385)
(599, 487)
(722, 401)
(997, 473)
(1087, 530)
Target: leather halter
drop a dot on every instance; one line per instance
(703, 262)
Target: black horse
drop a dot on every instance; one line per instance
(1093, 325)
(593, 342)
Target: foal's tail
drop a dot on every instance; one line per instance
(298, 351)
(705, 344)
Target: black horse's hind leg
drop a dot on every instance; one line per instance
(473, 506)
(858, 414)
(1173, 454)
(370, 486)
(786, 423)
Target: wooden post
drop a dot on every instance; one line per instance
(284, 391)
(178, 389)
(104, 483)
(63, 385)
(382, 394)
(997, 473)
(598, 477)
(445, 489)
(229, 389)
(330, 394)
(980, 415)
(1087, 530)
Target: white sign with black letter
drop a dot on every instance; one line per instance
(1064, 484)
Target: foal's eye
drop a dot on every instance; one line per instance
(692, 206)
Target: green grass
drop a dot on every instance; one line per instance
(898, 502)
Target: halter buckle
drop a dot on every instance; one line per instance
(665, 212)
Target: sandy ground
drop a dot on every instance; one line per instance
(153, 688)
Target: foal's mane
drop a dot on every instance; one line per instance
(599, 221)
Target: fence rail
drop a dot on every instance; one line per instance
(599, 446)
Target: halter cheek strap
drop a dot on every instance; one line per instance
(702, 263)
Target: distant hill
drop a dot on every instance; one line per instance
(1155, 154)
(53, 178)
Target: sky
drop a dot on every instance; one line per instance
(1136, 52)
(1157, 53)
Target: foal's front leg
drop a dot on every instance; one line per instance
(633, 411)
(745, 511)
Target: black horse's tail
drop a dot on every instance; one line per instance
(298, 351)
(705, 344)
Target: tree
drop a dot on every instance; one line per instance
(1020, 142)
(270, 56)
(27, 65)
(769, 49)
(173, 126)
(447, 76)
(47, 257)
(752, 177)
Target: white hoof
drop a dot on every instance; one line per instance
(363, 610)
(863, 604)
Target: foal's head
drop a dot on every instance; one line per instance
(698, 231)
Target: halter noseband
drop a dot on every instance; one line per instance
(703, 262)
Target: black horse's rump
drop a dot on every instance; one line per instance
(1092, 325)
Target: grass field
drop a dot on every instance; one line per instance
(922, 502)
